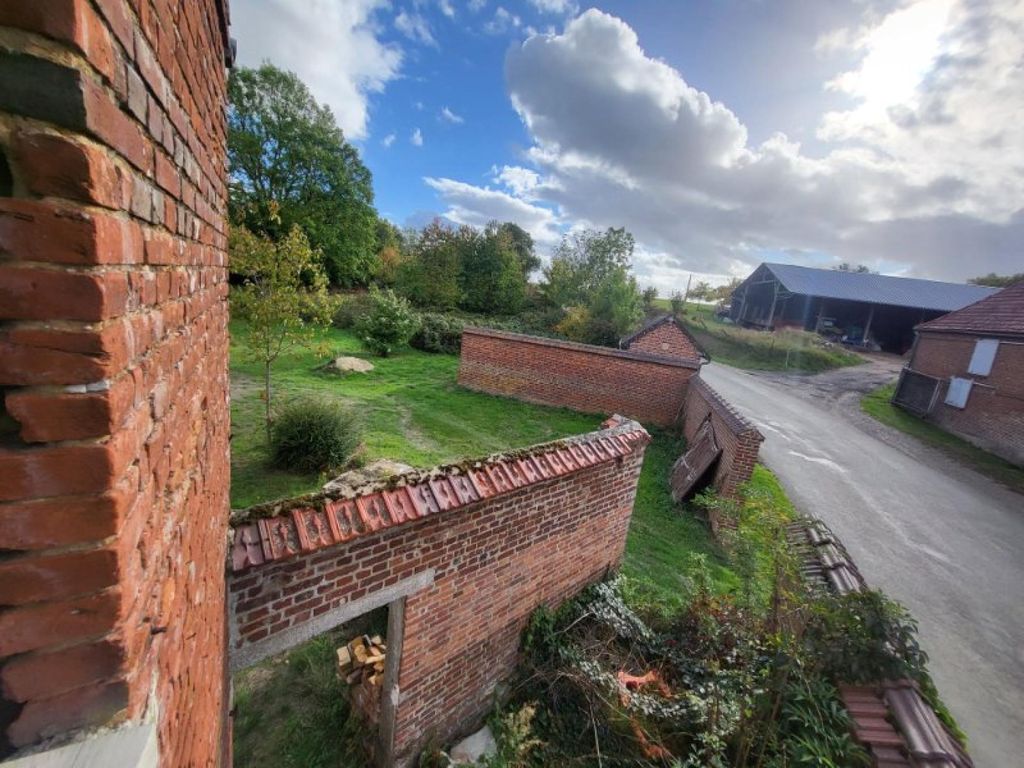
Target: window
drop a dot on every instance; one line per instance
(958, 392)
(984, 354)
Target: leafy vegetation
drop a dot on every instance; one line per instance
(878, 404)
(997, 281)
(291, 166)
(388, 323)
(314, 436)
(784, 350)
(283, 298)
(438, 333)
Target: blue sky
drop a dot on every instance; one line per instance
(720, 133)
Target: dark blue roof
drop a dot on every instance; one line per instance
(878, 289)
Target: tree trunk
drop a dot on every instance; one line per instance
(266, 395)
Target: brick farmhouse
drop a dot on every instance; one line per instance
(966, 373)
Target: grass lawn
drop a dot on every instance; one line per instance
(782, 350)
(878, 405)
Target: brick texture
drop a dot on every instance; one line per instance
(495, 561)
(648, 388)
(736, 436)
(994, 416)
(113, 352)
(665, 337)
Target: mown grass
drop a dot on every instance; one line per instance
(878, 405)
(784, 350)
(411, 408)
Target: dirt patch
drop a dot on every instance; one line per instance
(417, 437)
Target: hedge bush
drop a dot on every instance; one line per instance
(314, 436)
(438, 333)
(389, 323)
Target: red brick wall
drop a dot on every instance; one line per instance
(666, 339)
(736, 436)
(578, 376)
(994, 416)
(495, 561)
(113, 350)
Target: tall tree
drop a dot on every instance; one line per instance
(429, 277)
(521, 242)
(291, 165)
(491, 278)
(283, 298)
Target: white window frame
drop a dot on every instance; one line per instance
(983, 357)
(958, 392)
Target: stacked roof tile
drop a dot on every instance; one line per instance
(284, 529)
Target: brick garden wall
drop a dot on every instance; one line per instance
(498, 541)
(113, 352)
(994, 416)
(586, 378)
(736, 436)
(666, 339)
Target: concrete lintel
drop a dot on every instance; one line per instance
(133, 746)
(247, 655)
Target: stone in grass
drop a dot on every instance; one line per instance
(349, 365)
(471, 749)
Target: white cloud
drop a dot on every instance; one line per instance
(502, 22)
(446, 8)
(476, 206)
(416, 138)
(932, 185)
(450, 117)
(388, 140)
(561, 7)
(350, 64)
(477, 5)
(415, 27)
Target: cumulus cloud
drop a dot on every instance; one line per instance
(928, 175)
(450, 117)
(417, 138)
(415, 27)
(388, 140)
(476, 206)
(350, 63)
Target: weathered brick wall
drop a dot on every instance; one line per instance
(113, 350)
(736, 436)
(667, 339)
(585, 378)
(525, 540)
(994, 416)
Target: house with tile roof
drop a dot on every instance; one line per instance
(966, 373)
(665, 336)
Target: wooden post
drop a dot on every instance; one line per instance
(867, 327)
(390, 693)
(775, 298)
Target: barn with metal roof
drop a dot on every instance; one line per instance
(861, 308)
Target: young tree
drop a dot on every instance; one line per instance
(702, 291)
(389, 323)
(285, 150)
(283, 298)
(650, 295)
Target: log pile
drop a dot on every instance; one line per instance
(361, 666)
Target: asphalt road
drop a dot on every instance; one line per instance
(945, 541)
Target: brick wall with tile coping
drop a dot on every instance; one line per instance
(994, 416)
(113, 370)
(665, 336)
(497, 537)
(738, 438)
(582, 377)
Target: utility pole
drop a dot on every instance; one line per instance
(686, 296)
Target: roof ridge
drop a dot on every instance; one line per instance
(289, 527)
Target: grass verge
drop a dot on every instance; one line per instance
(878, 405)
(784, 350)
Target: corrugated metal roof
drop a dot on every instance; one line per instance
(878, 289)
(1001, 314)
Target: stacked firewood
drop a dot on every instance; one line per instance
(361, 665)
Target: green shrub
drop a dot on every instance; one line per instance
(314, 436)
(389, 323)
(350, 308)
(438, 333)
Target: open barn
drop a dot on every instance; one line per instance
(862, 308)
